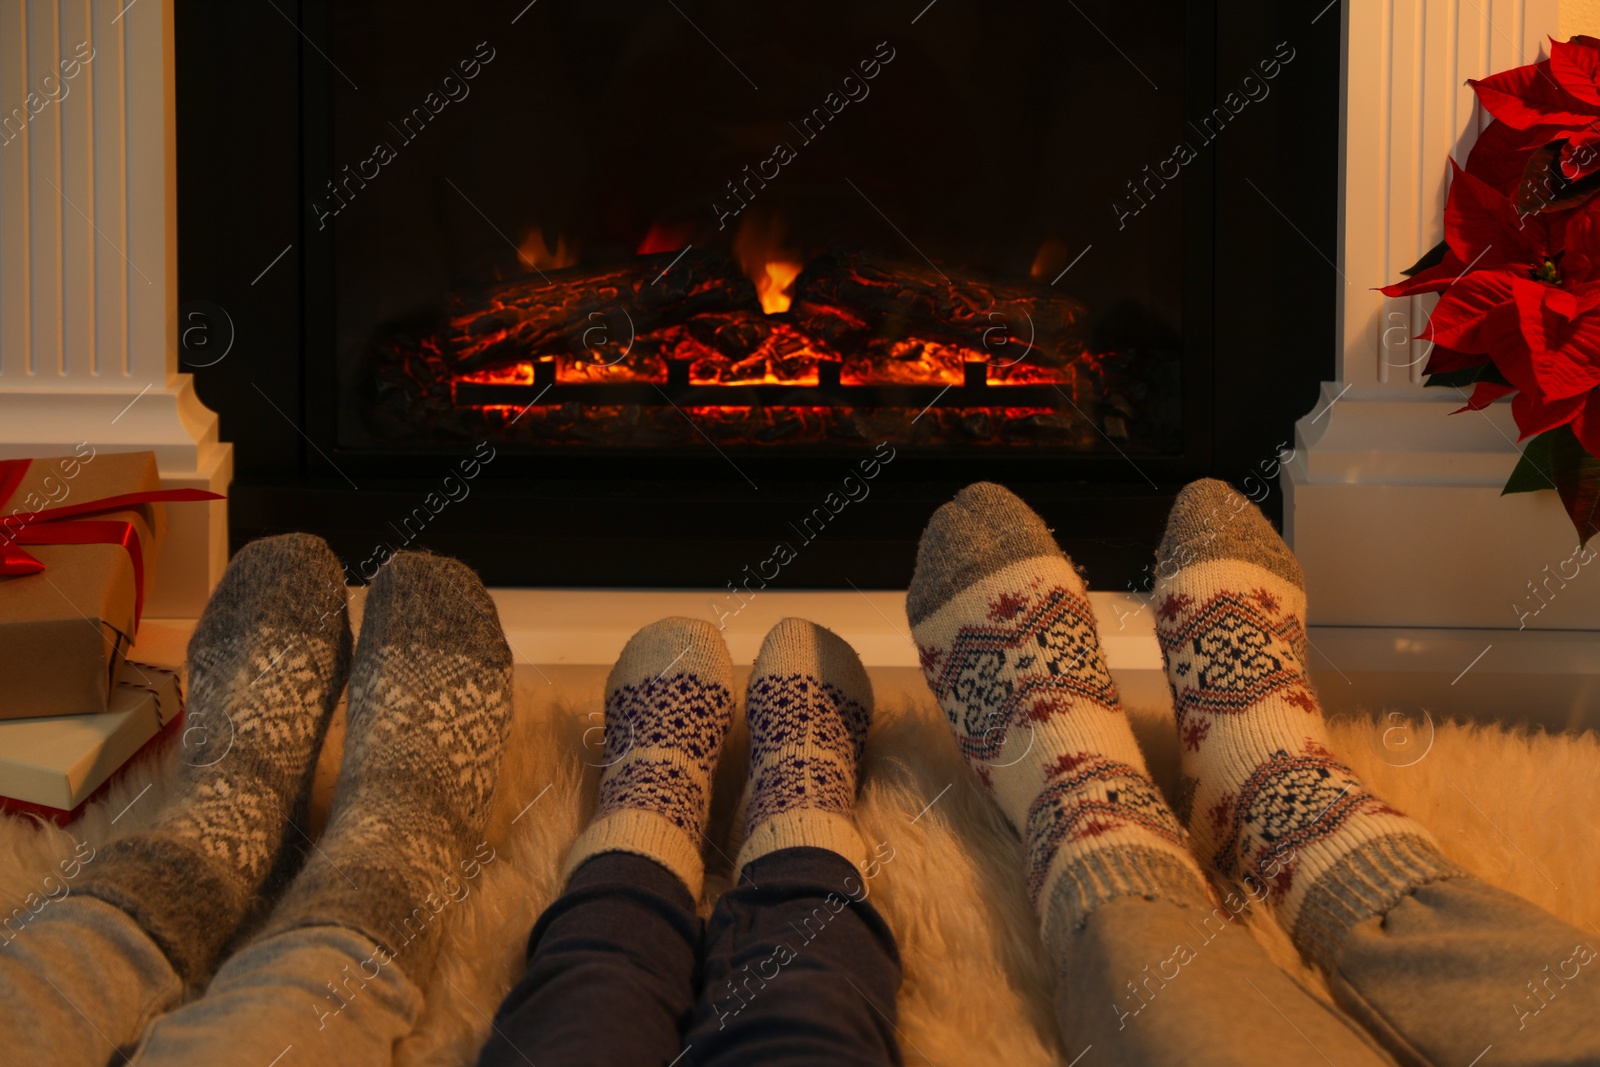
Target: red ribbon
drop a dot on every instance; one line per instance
(50, 526)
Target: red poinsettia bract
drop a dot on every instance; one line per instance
(1522, 292)
(1518, 272)
(1557, 99)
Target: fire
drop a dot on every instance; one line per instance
(772, 285)
(759, 248)
(537, 254)
(834, 366)
(1050, 258)
(511, 374)
(665, 237)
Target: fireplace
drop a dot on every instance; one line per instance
(736, 269)
(670, 279)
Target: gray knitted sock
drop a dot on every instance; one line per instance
(266, 665)
(430, 706)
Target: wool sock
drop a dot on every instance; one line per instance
(429, 709)
(1267, 804)
(267, 662)
(669, 703)
(1008, 645)
(809, 703)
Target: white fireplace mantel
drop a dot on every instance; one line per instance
(1393, 504)
(88, 264)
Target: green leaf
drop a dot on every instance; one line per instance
(1557, 460)
(1577, 476)
(1431, 258)
(1533, 470)
(1460, 379)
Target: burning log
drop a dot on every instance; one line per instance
(897, 319)
(534, 315)
(851, 303)
(868, 350)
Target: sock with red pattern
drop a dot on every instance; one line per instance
(1008, 644)
(1267, 803)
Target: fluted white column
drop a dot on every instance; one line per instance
(1393, 504)
(1408, 108)
(88, 263)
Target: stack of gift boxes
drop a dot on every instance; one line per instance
(79, 536)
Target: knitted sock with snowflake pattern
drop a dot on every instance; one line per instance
(669, 703)
(429, 709)
(809, 703)
(1267, 803)
(1008, 645)
(267, 663)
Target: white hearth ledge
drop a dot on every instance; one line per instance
(1544, 679)
(1537, 678)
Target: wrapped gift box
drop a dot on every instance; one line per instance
(53, 766)
(79, 536)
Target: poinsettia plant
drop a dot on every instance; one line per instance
(1518, 273)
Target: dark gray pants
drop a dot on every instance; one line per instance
(795, 967)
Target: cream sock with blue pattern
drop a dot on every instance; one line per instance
(809, 704)
(669, 702)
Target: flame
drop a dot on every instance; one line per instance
(773, 286)
(665, 237)
(535, 253)
(1051, 257)
(759, 248)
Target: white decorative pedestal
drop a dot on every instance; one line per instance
(88, 264)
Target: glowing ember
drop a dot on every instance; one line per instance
(513, 374)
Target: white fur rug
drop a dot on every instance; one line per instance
(1516, 809)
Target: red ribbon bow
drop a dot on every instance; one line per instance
(50, 526)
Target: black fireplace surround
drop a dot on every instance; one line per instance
(1190, 157)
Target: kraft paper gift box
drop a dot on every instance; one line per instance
(79, 536)
(52, 767)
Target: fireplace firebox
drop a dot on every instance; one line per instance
(669, 279)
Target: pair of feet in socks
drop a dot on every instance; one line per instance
(1009, 647)
(428, 712)
(669, 706)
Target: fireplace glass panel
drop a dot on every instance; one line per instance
(628, 226)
